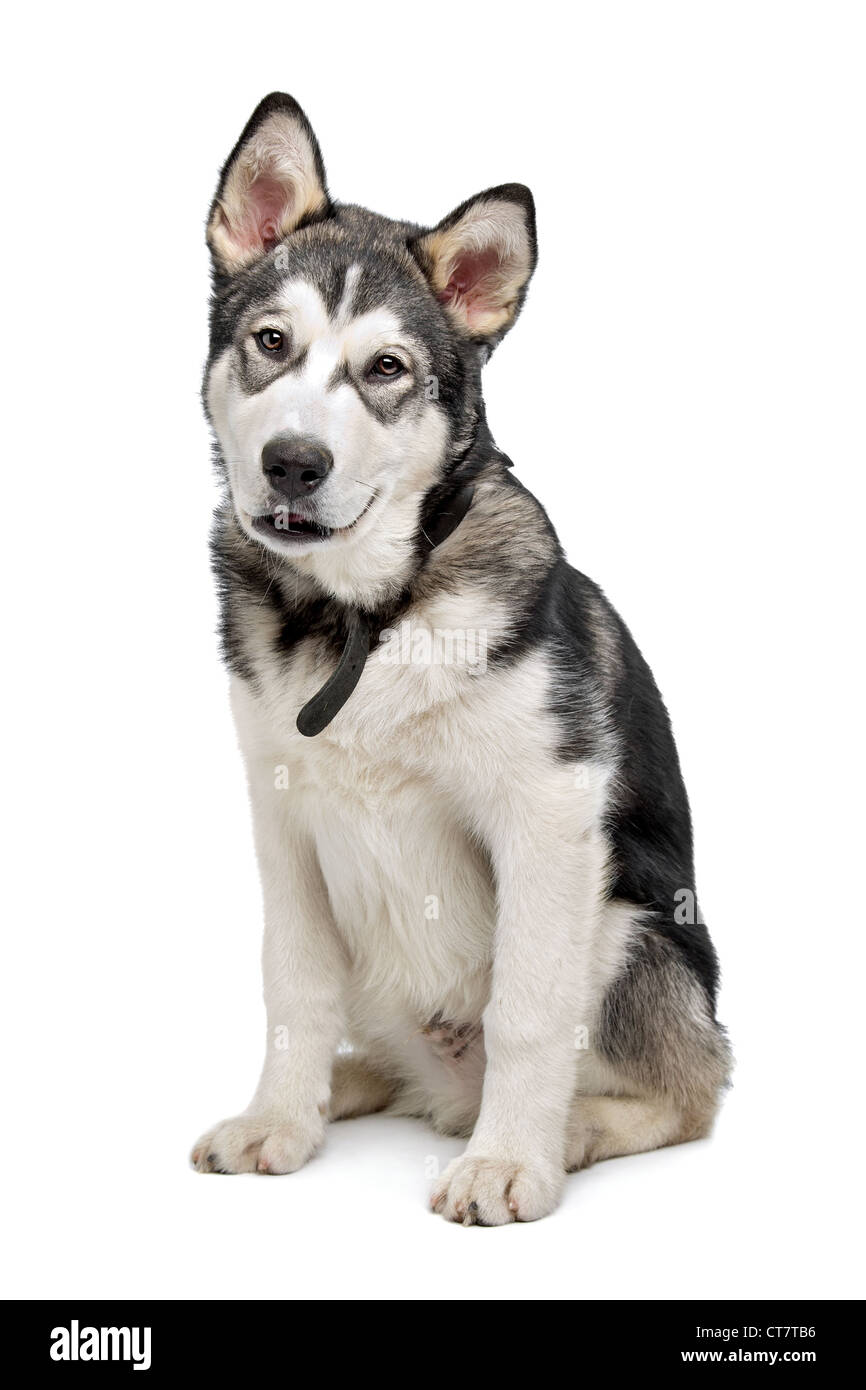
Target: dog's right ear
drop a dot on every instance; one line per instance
(271, 183)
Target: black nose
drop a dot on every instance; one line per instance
(295, 465)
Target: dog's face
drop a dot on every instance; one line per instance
(346, 347)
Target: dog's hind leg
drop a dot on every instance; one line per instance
(612, 1126)
(659, 1065)
(357, 1089)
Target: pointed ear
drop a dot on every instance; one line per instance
(273, 180)
(479, 260)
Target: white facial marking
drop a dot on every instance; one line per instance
(380, 464)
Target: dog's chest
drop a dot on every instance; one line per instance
(410, 888)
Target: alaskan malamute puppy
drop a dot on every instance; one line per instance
(474, 839)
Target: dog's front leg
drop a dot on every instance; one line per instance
(304, 976)
(549, 862)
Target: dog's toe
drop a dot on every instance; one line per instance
(250, 1144)
(495, 1192)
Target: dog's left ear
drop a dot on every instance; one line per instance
(479, 260)
(273, 180)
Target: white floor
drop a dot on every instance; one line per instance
(761, 1210)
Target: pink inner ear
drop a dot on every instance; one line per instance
(473, 286)
(267, 204)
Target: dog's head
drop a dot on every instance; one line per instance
(346, 349)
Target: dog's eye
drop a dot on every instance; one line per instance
(270, 339)
(387, 366)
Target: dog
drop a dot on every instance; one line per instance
(474, 840)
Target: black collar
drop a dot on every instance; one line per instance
(446, 507)
(437, 523)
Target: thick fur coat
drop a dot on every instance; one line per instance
(478, 880)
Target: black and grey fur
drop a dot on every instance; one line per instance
(563, 1008)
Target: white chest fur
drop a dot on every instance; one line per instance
(410, 887)
(389, 798)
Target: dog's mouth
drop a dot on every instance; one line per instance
(288, 526)
(293, 528)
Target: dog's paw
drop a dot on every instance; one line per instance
(494, 1191)
(256, 1144)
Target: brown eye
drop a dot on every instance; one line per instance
(387, 366)
(270, 339)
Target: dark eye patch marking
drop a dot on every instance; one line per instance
(256, 371)
(386, 401)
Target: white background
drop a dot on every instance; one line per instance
(684, 392)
